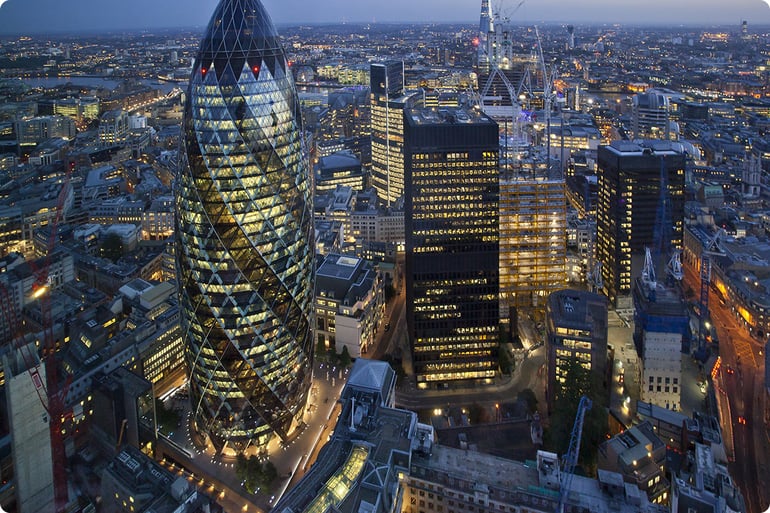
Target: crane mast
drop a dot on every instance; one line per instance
(571, 458)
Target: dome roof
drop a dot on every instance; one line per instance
(240, 31)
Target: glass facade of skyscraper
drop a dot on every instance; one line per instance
(244, 232)
(387, 110)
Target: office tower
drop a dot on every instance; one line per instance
(650, 116)
(576, 331)
(629, 199)
(571, 39)
(388, 102)
(533, 243)
(244, 235)
(452, 244)
(30, 434)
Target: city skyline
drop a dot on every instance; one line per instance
(39, 16)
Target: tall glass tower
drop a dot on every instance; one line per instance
(244, 235)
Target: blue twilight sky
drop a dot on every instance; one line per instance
(39, 16)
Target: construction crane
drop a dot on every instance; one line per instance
(661, 240)
(570, 459)
(548, 94)
(52, 392)
(595, 277)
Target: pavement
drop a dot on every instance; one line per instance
(215, 473)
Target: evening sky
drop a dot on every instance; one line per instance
(39, 16)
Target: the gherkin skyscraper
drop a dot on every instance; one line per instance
(244, 232)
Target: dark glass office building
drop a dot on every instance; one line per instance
(451, 217)
(244, 235)
(628, 206)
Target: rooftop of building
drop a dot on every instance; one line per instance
(659, 298)
(448, 116)
(355, 470)
(572, 307)
(642, 147)
(49, 145)
(345, 278)
(636, 446)
(339, 160)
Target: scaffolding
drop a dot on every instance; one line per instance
(533, 245)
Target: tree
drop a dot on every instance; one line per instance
(167, 419)
(528, 397)
(344, 358)
(254, 474)
(320, 350)
(331, 355)
(578, 381)
(504, 361)
(390, 292)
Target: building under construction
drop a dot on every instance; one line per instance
(533, 242)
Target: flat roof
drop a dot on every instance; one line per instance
(339, 266)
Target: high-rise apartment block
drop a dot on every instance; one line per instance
(452, 243)
(629, 203)
(244, 235)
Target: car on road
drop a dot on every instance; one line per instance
(387, 326)
(730, 370)
(741, 420)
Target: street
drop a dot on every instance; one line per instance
(742, 380)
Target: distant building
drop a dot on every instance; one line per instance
(113, 128)
(329, 237)
(575, 331)
(341, 168)
(349, 303)
(650, 117)
(48, 152)
(452, 220)
(102, 183)
(35, 130)
(629, 200)
(372, 223)
(125, 411)
(158, 219)
(388, 102)
(661, 336)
